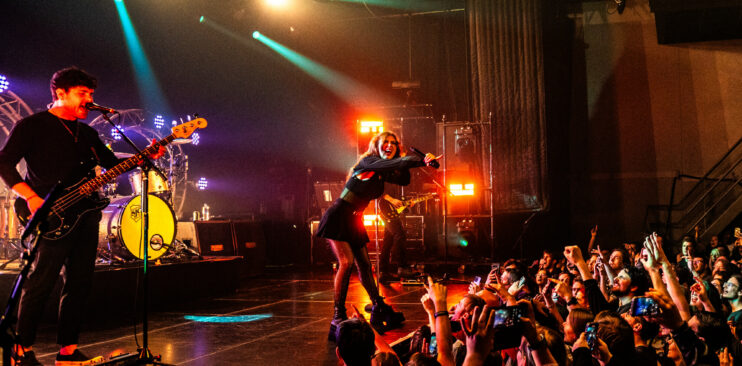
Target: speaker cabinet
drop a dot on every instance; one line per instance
(215, 238)
(250, 244)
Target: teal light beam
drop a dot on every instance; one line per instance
(341, 85)
(149, 88)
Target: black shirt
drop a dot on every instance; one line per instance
(53, 149)
(369, 175)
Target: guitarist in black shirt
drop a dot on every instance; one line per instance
(395, 238)
(55, 145)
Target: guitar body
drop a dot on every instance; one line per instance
(389, 212)
(59, 223)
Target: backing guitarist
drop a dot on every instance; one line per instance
(55, 145)
(395, 235)
(395, 239)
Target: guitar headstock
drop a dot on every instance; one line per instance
(185, 130)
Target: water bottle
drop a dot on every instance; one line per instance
(205, 213)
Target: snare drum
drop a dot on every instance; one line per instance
(121, 227)
(156, 183)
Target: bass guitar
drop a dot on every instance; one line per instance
(388, 211)
(81, 198)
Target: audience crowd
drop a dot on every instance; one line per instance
(640, 304)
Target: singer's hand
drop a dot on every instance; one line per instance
(430, 157)
(160, 152)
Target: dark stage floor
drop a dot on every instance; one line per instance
(285, 319)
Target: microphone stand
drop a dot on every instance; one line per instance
(145, 356)
(36, 226)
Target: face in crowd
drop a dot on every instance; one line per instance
(622, 283)
(731, 289)
(616, 260)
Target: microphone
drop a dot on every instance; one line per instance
(434, 163)
(95, 107)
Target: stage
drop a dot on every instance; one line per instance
(280, 317)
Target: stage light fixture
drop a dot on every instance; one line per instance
(461, 189)
(159, 121)
(466, 230)
(372, 126)
(465, 142)
(4, 83)
(256, 35)
(202, 184)
(116, 134)
(368, 220)
(195, 138)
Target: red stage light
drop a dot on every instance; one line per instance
(371, 127)
(368, 220)
(461, 189)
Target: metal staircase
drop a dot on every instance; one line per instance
(711, 204)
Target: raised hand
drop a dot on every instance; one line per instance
(474, 288)
(437, 293)
(562, 289)
(725, 359)
(479, 337)
(492, 277)
(573, 254)
(428, 304)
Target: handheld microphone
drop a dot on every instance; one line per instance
(95, 107)
(434, 163)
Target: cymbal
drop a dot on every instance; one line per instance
(122, 155)
(181, 141)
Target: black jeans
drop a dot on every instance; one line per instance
(76, 252)
(395, 238)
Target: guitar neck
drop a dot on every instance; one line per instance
(126, 165)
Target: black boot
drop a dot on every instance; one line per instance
(337, 318)
(383, 317)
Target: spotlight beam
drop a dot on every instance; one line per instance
(348, 89)
(152, 96)
(341, 85)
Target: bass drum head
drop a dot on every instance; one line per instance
(122, 227)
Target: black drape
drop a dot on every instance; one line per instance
(506, 67)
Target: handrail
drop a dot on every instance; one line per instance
(689, 203)
(713, 168)
(708, 210)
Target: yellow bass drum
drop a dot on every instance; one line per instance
(121, 227)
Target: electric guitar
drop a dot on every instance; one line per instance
(81, 198)
(388, 211)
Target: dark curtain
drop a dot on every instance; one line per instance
(507, 88)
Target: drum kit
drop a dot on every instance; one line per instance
(119, 237)
(120, 227)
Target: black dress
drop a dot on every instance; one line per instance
(343, 221)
